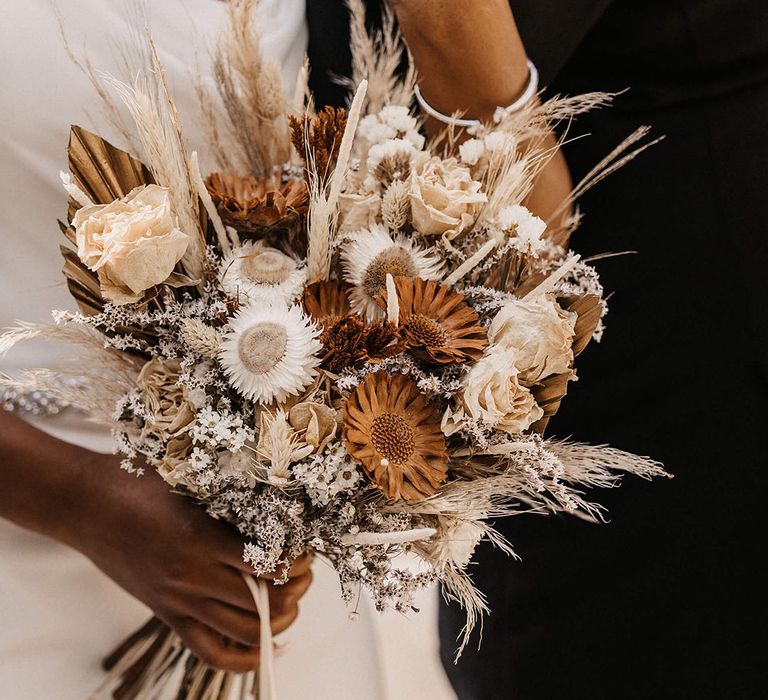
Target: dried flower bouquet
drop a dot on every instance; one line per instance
(349, 340)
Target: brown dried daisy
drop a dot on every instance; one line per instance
(436, 323)
(326, 302)
(251, 204)
(351, 342)
(394, 434)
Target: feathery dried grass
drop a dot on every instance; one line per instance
(247, 126)
(110, 374)
(323, 211)
(377, 57)
(159, 130)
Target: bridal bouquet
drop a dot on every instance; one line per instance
(348, 339)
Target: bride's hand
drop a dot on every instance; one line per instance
(159, 546)
(186, 566)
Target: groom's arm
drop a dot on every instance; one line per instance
(470, 58)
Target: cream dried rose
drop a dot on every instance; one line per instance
(445, 200)
(541, 334)
(132, 243)
(492, 394)
(167, 403)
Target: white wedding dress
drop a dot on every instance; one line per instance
(58, 613)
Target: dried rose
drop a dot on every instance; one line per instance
(492, 393)
(445, 200)
(540, 332)
(167, 403)
(132, 243)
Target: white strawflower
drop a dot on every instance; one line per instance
(527, 230)
(256, 273)
(472, 151)
(392, 122)
(370, 255)
(269, 352)
(396, 150)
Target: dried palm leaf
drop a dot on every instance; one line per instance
(105, 173)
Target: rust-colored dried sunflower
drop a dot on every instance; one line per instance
(351, 342)
(326, 302)
(438, 326)
(391, 430)
(250, 204)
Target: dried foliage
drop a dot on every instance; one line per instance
(318, 139)
(351, 342)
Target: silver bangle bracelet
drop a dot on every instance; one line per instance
(530, 91)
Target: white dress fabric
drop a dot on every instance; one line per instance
(58, 613)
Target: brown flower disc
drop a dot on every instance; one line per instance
(395, 435)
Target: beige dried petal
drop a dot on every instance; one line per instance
(358, 211)
(316, 421)
(445, 200)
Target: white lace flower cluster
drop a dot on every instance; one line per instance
(327, 475)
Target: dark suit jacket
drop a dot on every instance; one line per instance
(667, 600)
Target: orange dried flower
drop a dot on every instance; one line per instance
(251, 204)
(326, 301)
(394, 434)
(436, 323)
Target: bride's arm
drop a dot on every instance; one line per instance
(470, 58)
(158, 546)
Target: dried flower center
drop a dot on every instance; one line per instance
(426, 331)
(262, 346)
(396, 261)
(393, 167)
(267, 267)
(393, 437)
